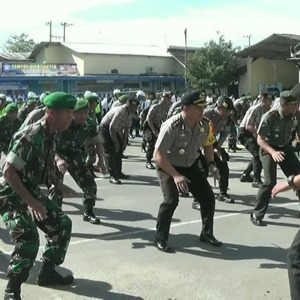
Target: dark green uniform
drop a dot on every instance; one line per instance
(7, 130)
(277, 129)
(32, 152)
(71, 148)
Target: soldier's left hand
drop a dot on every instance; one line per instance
(102, 167)
(62, 166)
(280, 187)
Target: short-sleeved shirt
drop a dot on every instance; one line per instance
(219, 125)
(180, 144)
(278, 129)
(117, 118)
(253, 116)
(157, 115)
(71, 142)
(7, 130)
(31, 152)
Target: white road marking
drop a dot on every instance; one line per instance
(153, 228)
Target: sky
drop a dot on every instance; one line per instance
(151, 22)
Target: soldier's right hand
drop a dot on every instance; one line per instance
(181, 183)
(278, 156)
(62, 166)
(37, 210)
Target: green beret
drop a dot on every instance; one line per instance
(91, 97)
(11, 107)
(193, 98)
(123, 99)
(243, 98)
(60, 100)
(31, 102)
(225, 102)
(81, 104)
(248, 97)
(155, 101)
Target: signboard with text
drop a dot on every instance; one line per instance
(33, 69)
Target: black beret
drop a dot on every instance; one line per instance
(287, 96)
(225, 102)
(193, 98)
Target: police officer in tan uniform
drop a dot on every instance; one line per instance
(114, 129)
(157, 114)
(247, 137)
(176, 155)
(274, 137)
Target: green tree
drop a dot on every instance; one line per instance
(19, 43)
(213, 66)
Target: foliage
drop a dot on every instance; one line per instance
(213, 66)
(19, 43)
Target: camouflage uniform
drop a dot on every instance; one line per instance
(71, 148)
(32, 152)
(7, 130)
(90, 146)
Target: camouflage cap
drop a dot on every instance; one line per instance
(60, 100)
(11, 107)
(288, 97)
(81, 104)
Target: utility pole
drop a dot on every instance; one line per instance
(65, 24)
(50, 27)
(185, 56)
(248, 36)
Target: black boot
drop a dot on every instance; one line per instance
(9, 295)
(89, 216)
(13, 289)
(48, 276)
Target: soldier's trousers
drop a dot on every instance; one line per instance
(223, 168)
(247, 139)
(90, 149)
(294, 267)
(113, 158)
(200, 189)
(289, 166)
(82, 175)
(23, 231)
(151, 140)
(232, 137)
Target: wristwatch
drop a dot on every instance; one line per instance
(290, 181)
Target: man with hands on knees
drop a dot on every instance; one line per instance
(293, 182)
(274, 136)
(176, 155)
(24, 207)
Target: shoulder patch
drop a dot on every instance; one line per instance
(176, 123)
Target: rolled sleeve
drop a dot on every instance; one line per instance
(15, 161)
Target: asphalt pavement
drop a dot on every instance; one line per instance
(117, 260)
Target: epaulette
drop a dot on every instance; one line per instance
(176, 123)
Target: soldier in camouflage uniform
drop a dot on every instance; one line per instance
(71, 156)
(2, 104)
(9, 124)
(24, 207)
(93, 100)
(29, 107)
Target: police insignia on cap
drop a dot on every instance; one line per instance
(181, 151)
(202, 130)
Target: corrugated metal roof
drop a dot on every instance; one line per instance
(92, 48)
(276, 46)
(15, 56)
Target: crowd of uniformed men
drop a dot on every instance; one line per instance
(45, 136)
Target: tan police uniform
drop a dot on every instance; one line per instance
(181, 145)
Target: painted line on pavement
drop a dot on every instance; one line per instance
(112, 236)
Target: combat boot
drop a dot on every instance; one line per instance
(9, 295)
(89, 216)
(48, 276)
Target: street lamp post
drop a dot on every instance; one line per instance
(248, 36)
(185, 57)
(50, 26)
